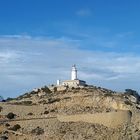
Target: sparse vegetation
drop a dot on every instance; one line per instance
(1, 108)
(22, 103)
(15, 127)
(7, 124)
(78, 88)
(52, 100)
(4, 138)
(26, 95)
(30, 114)
(37, 131)
(77, 102)
(72, 88)
(42, 102)
(108, 94)
(55, 89)
(65, 98)
(9, 99)
(30, 94)
(33, 92)
(5, 132)
(46, 112)
(132, 92)
(128, 102)
(46, 89)
(137, 107)
(53, 110)
(27, 102)
(10, 115)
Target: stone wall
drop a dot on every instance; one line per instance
(111, 119)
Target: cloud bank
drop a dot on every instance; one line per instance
(27, 62)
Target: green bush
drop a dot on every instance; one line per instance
(46, 112)
(7, 124)
(72, 88)
(15, 127)
(10, 115)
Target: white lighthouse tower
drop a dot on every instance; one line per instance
(74, 73)
(74, 82)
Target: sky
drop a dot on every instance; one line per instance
(41, 39)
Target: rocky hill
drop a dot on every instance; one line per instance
(82, 113)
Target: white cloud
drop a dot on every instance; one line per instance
(16, 36)
(7, 56)
(26, 63)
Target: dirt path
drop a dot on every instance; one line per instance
(14, 120)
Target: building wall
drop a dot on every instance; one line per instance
(73, 83)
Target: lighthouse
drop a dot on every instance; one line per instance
(74, 73)
(74, 81)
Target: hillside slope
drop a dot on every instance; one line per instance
(85, 113)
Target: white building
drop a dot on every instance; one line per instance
(74, 82)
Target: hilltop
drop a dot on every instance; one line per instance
(82, 113)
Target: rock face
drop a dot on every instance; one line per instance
(85, 113)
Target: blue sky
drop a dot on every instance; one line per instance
(41, 39)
